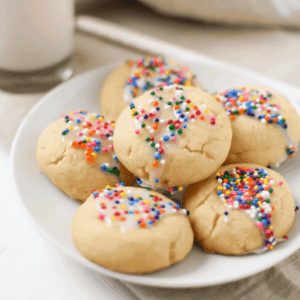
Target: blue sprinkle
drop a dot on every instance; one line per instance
(97, 149)
(166, 138)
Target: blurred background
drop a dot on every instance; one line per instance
(262, 35)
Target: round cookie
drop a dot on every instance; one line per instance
(265, 134)
(73, 150)
(137, 76)
(227, 220)
(173, 136)
(145, 231)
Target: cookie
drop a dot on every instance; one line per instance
(137, 76)
(265, 126)
(76, 153)
(239, 209)
(131, 230)
(172, 136)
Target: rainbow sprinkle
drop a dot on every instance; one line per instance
(257, 104)
(249, 190)
(93, 134)
(165, 133)
(153, 72)
(140, 208)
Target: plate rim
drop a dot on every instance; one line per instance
(135, 279)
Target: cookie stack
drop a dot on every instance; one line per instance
(172, 138)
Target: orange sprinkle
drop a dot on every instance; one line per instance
(83, 145)
(155, 126)
(291, 155)
(136, 212)
(143, 224)
(195, 107)
(155, 164)
(74, 144)
(272, 207)
(122, 219)
(232, 117)
(155, 103)
(176, 107)
(162, 211)
(90, 158)
(241, 111)
(225, 180)
(89, 150)
(202, 118)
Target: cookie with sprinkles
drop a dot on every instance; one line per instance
(240, 209)
(132, 230)
(137, 76)
(77, 154)
(265, 126)
(172, 136)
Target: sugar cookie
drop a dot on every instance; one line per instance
(239, 209)
(173, 136)
(265, 126)
(76, 153)
(131, 230)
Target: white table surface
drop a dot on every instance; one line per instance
(31, 268)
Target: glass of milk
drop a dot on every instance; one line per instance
(36, 43)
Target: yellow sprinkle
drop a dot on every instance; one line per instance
(108, 187)
(137, 218)
(123, 194)
(271, 247)
(167, 72)
(180, 188)
(265, 112)
(215, 96)
(147, 201)
(241, 98)
(92, 117)
(70, 112)
(101, 119)
(257, 195)
(238, 181)
(220, 188)
(113, 218)
(191, 105)
(258, 202)
(218, 174)
(71, 128)
(206, 111)
(137, 196)
(133, 110)
(123, 206)
(267, 177)
(284, 116)
(232, 188)
(113, 125)
(260, 205)
(224, 201)
(256, 187)
(272, 102)
(153, 194)
(94, 154)
(227, 193)
(245, 179)
(237, 176)
(271, 227)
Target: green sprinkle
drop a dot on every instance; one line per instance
(152, 144)
(179, 131)
(152, 93)
(143, 125)
(147, 139)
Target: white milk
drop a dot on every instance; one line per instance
(35, 34)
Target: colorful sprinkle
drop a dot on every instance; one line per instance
(257, 104)
(171, 129)
(249, 190)
(151, 72)
(132, 209)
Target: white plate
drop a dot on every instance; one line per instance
(51, 211)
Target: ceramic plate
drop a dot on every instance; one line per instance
(51, 211)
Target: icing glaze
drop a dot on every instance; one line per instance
(249, 190)
(163, 134)
(132, 209)
(94, 135)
